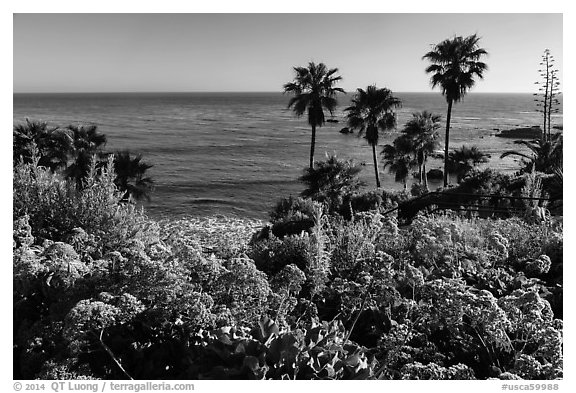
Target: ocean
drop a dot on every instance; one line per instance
(237, 154)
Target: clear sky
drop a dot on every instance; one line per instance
(256, 52)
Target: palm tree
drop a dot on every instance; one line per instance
(51, 143)
(85, 142)
(371, 111)
(455, 64)
(398, 158)
(546, 154)
(331, 180)
(130, 177)
(462, 160)
(314, 91)
(422, 130)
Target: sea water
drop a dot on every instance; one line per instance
(236, 154)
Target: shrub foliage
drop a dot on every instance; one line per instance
(103, 292)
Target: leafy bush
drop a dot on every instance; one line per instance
(392, 199)
(56, 207)
(101, 291)
(243, 290)
(319, 352)
(418, 189)
(109, 271)
(291, 216)
(273, 255)
(290, 207)
(363, 202)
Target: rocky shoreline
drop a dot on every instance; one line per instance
(530, 132)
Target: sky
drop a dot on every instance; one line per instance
(256, 52)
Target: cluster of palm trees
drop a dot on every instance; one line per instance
(455, 63)
(418, 140)
(371, 112)
(71, 151)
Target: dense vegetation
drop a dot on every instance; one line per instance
(101, 291)
(71, 151)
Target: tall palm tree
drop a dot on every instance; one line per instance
(398, 158)
(422, 130)
(130, 176)
(371, 111)
(462, 160)
(546, 154)
(455, 64)
(314, 91)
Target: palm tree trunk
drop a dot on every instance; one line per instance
(312, 143)
(420, 164)
(376, 166)
(425, 175)
(447, 143)
(420, 173)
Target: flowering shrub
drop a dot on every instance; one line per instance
(56, 207)
(101, 291)
(418, 370)
(243, 289)
(539, 265)
(96, 315)
(291, 216)
(307, 251)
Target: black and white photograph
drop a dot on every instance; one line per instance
(287, 196)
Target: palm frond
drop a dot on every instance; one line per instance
(314, 90)
(454, 65)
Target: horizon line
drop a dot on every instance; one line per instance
(238, 91)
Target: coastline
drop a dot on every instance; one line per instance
(233, 153)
